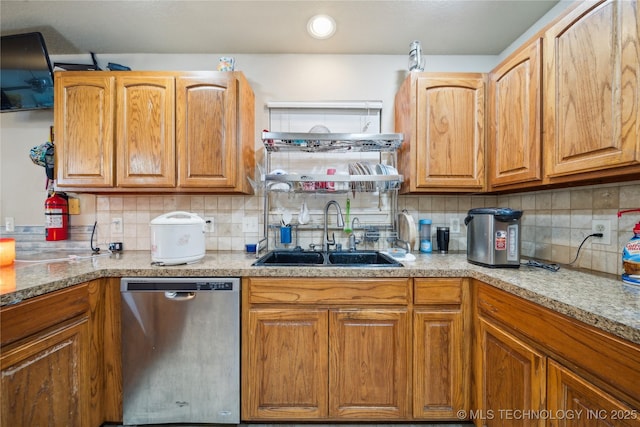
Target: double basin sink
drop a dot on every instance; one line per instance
(284, 258)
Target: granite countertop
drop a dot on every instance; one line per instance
(603, 302)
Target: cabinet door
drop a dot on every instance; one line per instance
(584, 404)
(438, 370)
(368, 364)
(512, 379)
(206, 131)
(145, 138)
(450, 132)
(515, 110)
(591, 89)
(287, 365)
(84, 138)
(45, 381)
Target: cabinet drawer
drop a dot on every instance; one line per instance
(437, 291)
(37, 314)
(348, 290)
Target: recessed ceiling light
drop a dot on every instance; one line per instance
(321, 26)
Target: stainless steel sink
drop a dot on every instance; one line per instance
(284, 258)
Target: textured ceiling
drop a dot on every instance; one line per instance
(451, 27)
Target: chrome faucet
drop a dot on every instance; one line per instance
(353, 240)
(325, 238)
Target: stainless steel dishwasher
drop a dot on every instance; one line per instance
(180, 350)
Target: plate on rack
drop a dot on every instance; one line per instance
(407, 229)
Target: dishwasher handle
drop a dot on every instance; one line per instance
(179, 296)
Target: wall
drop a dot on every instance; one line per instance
(554, 223)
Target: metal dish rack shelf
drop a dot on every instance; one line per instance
(302, 142)
(326, 142)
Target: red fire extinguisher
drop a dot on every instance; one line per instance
(56, 211)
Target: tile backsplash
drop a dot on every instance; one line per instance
(554, 223)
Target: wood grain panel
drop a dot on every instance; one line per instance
(288, 366)
(437, 291)
(369, 359)
(441, 117)
(45, 381)
(440, 388)
(84, 130)
(206, 134)
(329, 290)
(405, 123)
(450, 131)
(515, 118)
(584, 404)
(146, 136)
(513, 378)
(34, 315)
(112, 358)
(592, 77)
(614, 361)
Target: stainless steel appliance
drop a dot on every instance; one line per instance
(493, 237)
(180, 350)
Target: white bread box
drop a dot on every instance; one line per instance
(177, 238)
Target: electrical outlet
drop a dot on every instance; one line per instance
(209, 224)
(454, 225)
(249, 224)
(602, 226)
(9, 224)
(116, 226)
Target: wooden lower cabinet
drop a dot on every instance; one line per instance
(574, 401)
(438, 386)
(325, 349)
(45, 380)
(520, 381)
(45, 360)
(368, 366)
(441, 361)
(60, 358)
(512, 379)
(327, 364)
(288, 364)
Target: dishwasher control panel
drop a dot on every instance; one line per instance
(215, 286)
(179, 284)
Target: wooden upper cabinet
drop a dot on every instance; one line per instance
(442, 118)
(146, 141)
(591, 78)
(514, 140)
(170, 131)
(205, 131)
(84, 130)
